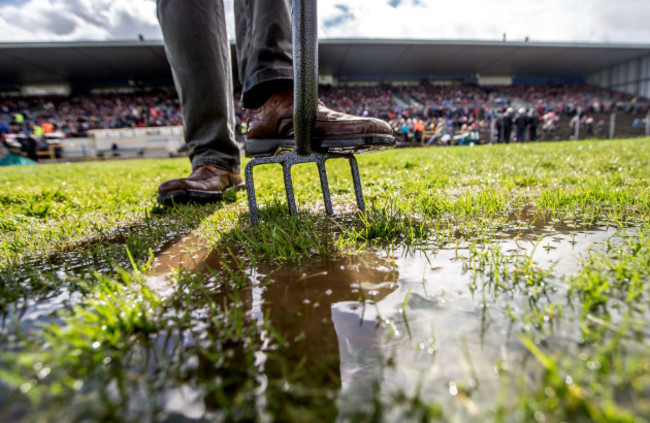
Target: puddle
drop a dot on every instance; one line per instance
(436, 333)
(298, 303)
(439, 336)
(433, 323)
(188, 252)
(421, 323)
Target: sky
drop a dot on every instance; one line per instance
(622, 21)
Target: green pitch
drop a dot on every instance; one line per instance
(87, 333)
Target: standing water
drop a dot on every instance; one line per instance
(437, 325)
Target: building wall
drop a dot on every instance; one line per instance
(632, 77)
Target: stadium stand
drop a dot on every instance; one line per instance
(120, 124)
(432, 92)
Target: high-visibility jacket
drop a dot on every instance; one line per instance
(38, 130)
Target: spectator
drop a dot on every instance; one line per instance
(418, 127)
(507, 125)
(405, 131)
(532, 121)
(520, 123)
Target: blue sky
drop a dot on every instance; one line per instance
(622, 21)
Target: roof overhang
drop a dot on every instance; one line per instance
(422, 58)
(123, 61)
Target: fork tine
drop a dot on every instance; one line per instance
(356, 180)
(324, 184)
(293, 158)
(250, 191)
(288, 187)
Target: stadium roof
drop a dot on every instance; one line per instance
(115, 62)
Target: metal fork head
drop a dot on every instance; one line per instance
(293, 158)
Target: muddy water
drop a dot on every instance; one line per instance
(430, 323)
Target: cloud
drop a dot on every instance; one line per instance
(64, 20)
(14, 2)
(337, 19)
(59, 24)
(550, 20)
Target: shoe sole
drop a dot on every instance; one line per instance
(265, 147)
(190, 196)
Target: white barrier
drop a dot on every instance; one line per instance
(131, 142)
(77, 148)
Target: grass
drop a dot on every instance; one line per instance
(117, 350)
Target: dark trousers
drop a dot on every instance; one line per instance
(521, 134)
(197, 47)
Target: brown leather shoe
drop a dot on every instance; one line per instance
(270, 127)
(206, 184)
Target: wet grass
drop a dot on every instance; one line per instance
(108, 345)
(606, 377)
(55, 208)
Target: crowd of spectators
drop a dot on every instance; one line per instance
(419, 113)
(506, 113)
(568, 99)
(73, 116)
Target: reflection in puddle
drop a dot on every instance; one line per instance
(299, 305)
(188, 253)
(454, 329)
(425, 324)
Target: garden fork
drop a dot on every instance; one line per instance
(305, 58)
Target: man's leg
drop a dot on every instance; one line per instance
(196, 43)
(264, 52)
(264, 57)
